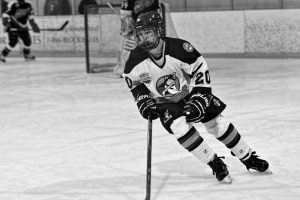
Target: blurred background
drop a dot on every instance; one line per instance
(74, 7)
(69, 135)
(215, 27)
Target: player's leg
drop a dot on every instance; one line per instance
(188, 137)
(25, 37)
(225, 132)
(12, 41)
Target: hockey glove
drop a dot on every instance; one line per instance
(34, 26)
(194, 109)
(147, 106)
(130, 44)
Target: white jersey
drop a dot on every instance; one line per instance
(169, 79)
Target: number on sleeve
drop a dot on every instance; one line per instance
(202, 78)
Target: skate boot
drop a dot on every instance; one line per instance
(29, 57)
(253, 162)
(220, 170)
(2, 58)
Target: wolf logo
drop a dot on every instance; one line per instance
(169, 85)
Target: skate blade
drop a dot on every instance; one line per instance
(227, 180)
(267, 172)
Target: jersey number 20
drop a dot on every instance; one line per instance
(202, 78)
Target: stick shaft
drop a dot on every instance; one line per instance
(45, 29)
(149, 157)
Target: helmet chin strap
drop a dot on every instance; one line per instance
(158, 50)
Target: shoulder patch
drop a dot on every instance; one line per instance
(188, 47)
(145, 77)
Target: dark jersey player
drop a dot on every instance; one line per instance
(170, 80)
(15, 24)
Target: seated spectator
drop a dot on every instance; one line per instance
(57, 7)
(84, 3)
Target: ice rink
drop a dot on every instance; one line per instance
(68, 135)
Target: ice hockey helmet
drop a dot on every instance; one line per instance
(149, 21)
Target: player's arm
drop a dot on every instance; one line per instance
(142, 97)
(126, 17)
(33, 24)
(197, 69)
(6, 19)
(6, 22)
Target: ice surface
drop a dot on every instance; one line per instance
(68, 135)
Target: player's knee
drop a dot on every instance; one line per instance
(180, 127)
(12, 44)
(27, 43)
(217, 126)
(8, 47)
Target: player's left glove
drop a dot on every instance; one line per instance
(34, 26)
(194, 109)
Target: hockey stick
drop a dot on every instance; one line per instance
(112, 8)
(63, 26)
(149, 156)
(42, 29)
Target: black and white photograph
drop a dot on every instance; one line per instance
(150, 99)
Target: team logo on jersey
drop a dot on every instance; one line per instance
(188, 47)
(145, 77)
(168, 86)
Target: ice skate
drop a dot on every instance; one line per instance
(220, 170)
(2, 58)
(257, 164)
(29, 57)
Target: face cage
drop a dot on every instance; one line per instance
(148, 43)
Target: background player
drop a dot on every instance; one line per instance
(169, 78)
(129, 12)
(15, 24)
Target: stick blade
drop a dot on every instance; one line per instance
(64, 24)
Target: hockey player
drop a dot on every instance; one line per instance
(129, 11)
(170, 80)
(15, 24)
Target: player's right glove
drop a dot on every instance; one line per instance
(146, 106)
(194, 109)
